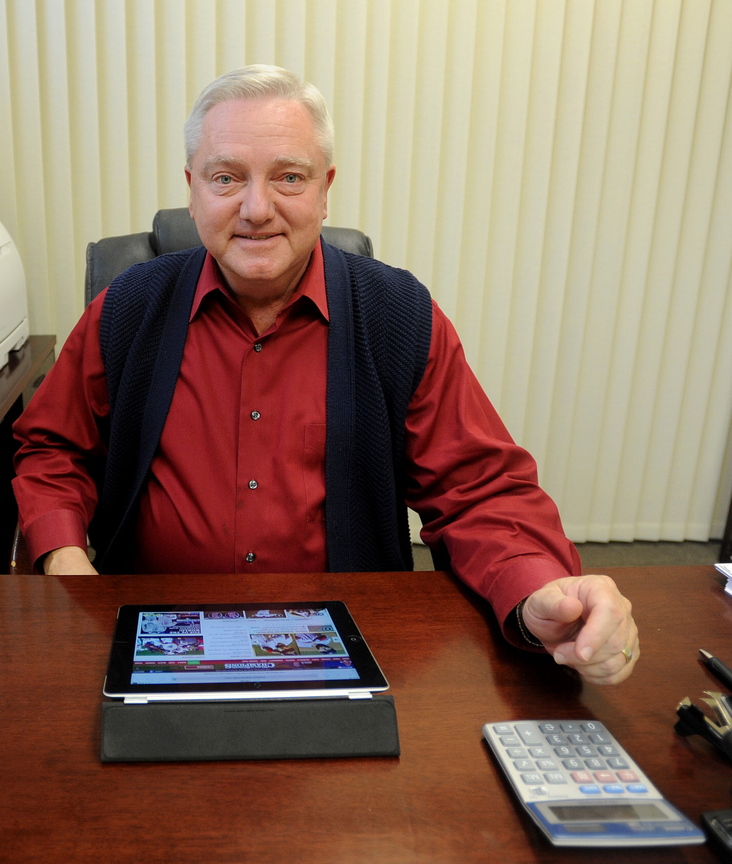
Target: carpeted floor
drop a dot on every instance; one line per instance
(639, 553)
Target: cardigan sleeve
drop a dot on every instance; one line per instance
(475, 490)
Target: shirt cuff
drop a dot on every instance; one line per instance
(520, 577)
(52, 530)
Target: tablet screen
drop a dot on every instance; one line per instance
(239, 651)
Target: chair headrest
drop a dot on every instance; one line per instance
(174, 230)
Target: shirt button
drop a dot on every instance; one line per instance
(250, 558)
(257, 347)
(255, 415)
(253, 484)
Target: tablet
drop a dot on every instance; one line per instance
(239, 651)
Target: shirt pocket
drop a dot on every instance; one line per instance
(313, 471)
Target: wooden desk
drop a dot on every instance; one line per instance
(442, 801)
(18, 380)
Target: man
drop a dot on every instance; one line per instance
(269, 403)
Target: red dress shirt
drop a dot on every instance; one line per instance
(238, 482)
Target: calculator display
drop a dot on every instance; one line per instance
(607, 812)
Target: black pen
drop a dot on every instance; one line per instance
(717, 668)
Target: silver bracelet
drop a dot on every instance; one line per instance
(522, 627)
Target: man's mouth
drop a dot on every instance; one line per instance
(256, 236)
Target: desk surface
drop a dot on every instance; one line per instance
(442, 801)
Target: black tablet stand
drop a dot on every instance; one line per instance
(249, 729)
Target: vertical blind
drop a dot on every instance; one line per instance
(557, 172)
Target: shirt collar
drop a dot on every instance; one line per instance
(312, 284)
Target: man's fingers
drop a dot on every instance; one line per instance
(585, 623)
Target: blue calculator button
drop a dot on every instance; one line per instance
(589, 790)
(636, 788)
(614, 788)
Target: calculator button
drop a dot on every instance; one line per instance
(627, 776)
(503, 729)
(546, 764)
(540, 752)
(572, 764)
(616, 762)
(604, 776)
(570, 727)
(581, 776)
(548, 728)
(590, 790)
(524, 765)
(585, 750)
(516, 753)
(599, 738)
(555, 739)
(576, 738)
(555, 777)
(614, 788)
(595, 764)
(529, 734)
(531, 778)
(592, 726)
(510, 741)
(636, 788)
(564, 751)
(606, 750)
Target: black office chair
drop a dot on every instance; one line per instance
(172, 231)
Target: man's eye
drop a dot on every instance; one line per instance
(225, 179)
(292, 178)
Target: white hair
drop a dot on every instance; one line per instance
(260, 82)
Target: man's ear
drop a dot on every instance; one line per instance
(188, 181)
(329, 178)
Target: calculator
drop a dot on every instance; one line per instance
(582, 788)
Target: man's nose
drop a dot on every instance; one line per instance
(257, 202)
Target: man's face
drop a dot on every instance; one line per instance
(259, 193)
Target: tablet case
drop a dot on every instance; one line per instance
(261, 729)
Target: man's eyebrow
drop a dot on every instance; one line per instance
(279, 161)
(221, 162)
(294, 162)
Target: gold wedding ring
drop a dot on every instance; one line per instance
(628, 654)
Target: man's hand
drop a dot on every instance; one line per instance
(68, 561)
(586, 623)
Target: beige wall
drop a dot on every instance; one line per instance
(558, 172)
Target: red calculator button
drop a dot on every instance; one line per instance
(626, 776)
(604, 776)
(581, 776)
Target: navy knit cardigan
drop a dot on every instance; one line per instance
(378, 343)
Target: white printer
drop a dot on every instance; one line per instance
(13, 300)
